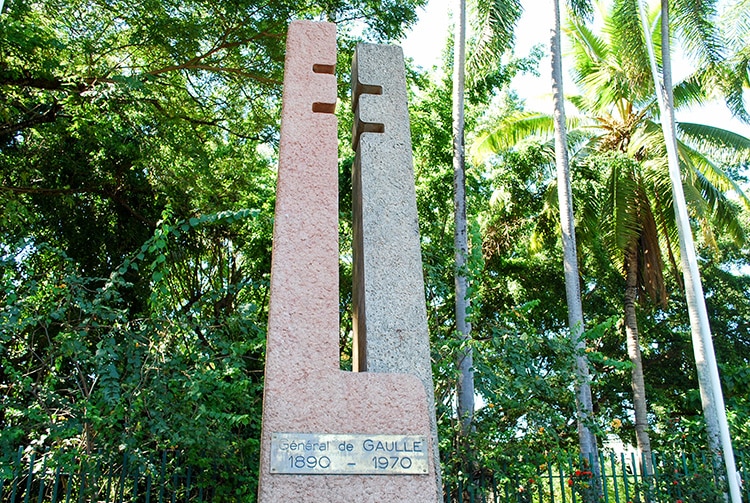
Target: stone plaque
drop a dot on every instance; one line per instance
(349, 454)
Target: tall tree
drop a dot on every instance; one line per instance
(494, 23)
(586, 437)
(632, 215)
(613, 92)
(465, 388)
(136, 186)
(695, 15)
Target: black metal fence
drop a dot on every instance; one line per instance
(34, 478)
(672, 478)
(58, 478)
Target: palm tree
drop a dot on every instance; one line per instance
(612, 76)
(636, 215)
(699, 33)
(584, 402)
(494, 23)
(465, 386)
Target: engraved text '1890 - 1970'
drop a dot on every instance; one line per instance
(348, 454)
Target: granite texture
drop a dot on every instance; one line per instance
(305, 391)
(390, 318)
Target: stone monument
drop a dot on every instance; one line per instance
(330, 435)
(390, 317)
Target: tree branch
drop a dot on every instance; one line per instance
(33, 119)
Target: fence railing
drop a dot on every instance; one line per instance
(686, 478)
(32, 477)
(673, 478)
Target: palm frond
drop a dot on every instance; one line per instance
(738, 78)
(696, 23)
(690, 92)
(628, 41)
(623, 202)
(650, 262)
(588, 48)
(647, 142)
(524, 126)
(605, 67)
(510, 131)
(712, 210)
(717, 181)
(494, 25)
(720, 144)
(581, 8)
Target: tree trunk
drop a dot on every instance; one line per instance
(634, 352)
(712, 397)
(584, 405)
(465, 362)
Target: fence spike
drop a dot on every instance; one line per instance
(43, 478)
(29, 478)
(56, 485)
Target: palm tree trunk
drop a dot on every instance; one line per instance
(584, 403)
(712, 398)
(634, 352)
(465, 362)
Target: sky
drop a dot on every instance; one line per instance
(426, 43)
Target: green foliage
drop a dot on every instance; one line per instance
(137, 191)
(79, 371)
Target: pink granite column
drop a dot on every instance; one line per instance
(305, 392)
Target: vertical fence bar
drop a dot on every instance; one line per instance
(647, 479)
(636, 485)
(83, 475)
(97, 473)
(110, 474)
(656, 475)
(121, 484)
(187, 484)
(161, 479)
(42, 479)
(148, 486)
(603, 470)
(572, 487)
(136, 477)
(175, 477)
(561, 474)
(615, 485)
(684, 465)
(69, 487)
(550, 482)
(56, 485)
(683, 462)
(29, 477)
(16, 468)
(623, 464)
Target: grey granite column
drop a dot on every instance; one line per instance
(390, 318)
